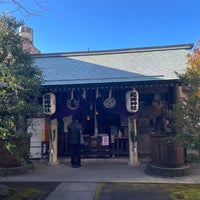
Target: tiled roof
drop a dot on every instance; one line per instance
(122, 65)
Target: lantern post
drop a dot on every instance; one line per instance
(49, 106)
(132, 106)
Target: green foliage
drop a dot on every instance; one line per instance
(146, 191)
(185, 192)
(192, 158)
(186, 113)
(25, 193)
(20, 81)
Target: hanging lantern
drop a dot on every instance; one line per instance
(132, 101)
(88, 117)
(49, 103)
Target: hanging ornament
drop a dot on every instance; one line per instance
(72, 94)
(72, 103)
(110, 93)
(91, 106)
(84, 93)
(97, 93)
(110, 102)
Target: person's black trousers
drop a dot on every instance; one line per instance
(75, 154)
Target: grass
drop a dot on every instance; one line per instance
(25, 193)
(147, 191)
(99, 190)
(185, 192)
(29, 190)
(32, 191)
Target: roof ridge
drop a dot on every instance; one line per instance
(115, 51)
(104, 78)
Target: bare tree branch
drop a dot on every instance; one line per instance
(22, 7)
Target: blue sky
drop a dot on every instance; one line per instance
(79, 25)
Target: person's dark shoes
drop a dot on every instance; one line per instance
(73, 166)
(77, 166)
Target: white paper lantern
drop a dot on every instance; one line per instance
(49, 103)
(132, 101)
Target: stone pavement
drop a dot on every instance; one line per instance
(81, 183)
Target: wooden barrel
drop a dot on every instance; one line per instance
(164, 152)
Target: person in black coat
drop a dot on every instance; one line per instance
(74, 131)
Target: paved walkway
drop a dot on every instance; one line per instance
(82, 182)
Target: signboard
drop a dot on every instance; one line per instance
(105, 140)
(36, 128)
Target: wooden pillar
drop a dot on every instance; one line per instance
(133, 153)
(95, 121)
(53, 141)
(178, 93)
